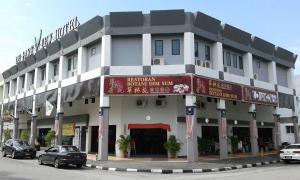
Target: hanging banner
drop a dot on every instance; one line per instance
(147, 85)
(260, 96)
(216, 88)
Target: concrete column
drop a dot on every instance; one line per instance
(62, 68)
(217, 53)
(277, 131)
(291, 78)
(191, 133)
(88, 139)
(58, 128)
(33, 131)
(36, 77)
(296, 129)
(188, 48)
(82, 59)
(103, 134)
(1, 132)
(147, 50)
(16, 122)
(248, 65)
(10, 88)
(106, 50)
(222, 122)
(254, 134)
(272, 72)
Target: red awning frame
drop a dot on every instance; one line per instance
(150, 126)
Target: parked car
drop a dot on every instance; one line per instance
(17, 148)
(63, 155)
(290, 153)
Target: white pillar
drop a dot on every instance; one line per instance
(253, 130)
(58, 124)
(291, 78)
(272, 72)
(217, 53)
(248, 65)
(106, 50)
(35, 85)
(48, 73)
(16, 122)
(33, 128)
(222, 121)
(10, 88)
(147, 50)
(62, 69)
(188, 48)
(88, 139)
(82, 60)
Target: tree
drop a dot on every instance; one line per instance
(49, 137)
(24, 135)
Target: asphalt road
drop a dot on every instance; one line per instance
(29, 170)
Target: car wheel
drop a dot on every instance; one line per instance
(79, 165)
(3, 153)
(56, 163)
(40, 161)
(13, 155)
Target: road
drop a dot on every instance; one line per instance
(29, 170)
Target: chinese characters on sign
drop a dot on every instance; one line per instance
(216, 88)
(140, 85)
(260, 96)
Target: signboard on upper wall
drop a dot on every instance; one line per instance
(68, 129)
(260, 96)
(147, 85)
(216, 88)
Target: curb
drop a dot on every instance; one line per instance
(176, 171)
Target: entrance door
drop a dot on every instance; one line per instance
(148, 141)
(42, 136)
(265, 138)
(111, 139)
(210, 139)
(94, 147)
(243, 134)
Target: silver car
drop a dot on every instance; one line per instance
(290, 153)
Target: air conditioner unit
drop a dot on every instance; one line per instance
(225, 69)
(141, 103)
(255, 76)
(158, 61)
(198, 62)
(161, 102)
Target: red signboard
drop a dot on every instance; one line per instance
(147, 85)
(260, 96)
(216, 88)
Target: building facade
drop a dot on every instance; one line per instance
(153, 75)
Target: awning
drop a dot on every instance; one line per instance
(150, 126)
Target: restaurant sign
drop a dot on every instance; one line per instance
(260, 96)
(216, 88)
(147, 85)
(40, 42)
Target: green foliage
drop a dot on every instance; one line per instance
(24, 135)
(124, 143)
(234, 141)
(172, 146)
(6, 135)
(49, 137)
(202, 144)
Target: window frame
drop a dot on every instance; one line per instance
(175, 50)
(235, 60)
(196, 49)
(207, 54)
(228, 60)
(156, 43)
(241, 62)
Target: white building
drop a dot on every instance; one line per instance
(146, 75)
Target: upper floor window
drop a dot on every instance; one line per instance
(207, 52)
(289, 129)
(43, 74)
(196, 49)
(258, 64)
(241, 65)
(93, 51)
(228, 59)
(55, 69)
(22, 82)
(72, 63)
(158, 47)
(234, 60)
(175, 47)
(32, 78)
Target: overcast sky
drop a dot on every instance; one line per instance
(276, 21)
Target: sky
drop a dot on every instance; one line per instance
(277, 21)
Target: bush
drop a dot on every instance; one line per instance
(24, 135)
(49, 137)
(172, 146)
(124, 143)
(6, 135)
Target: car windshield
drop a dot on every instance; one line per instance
(21, 143)
(66, 149)
(293, 147)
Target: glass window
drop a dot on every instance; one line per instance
(23, 82)
(32, 78)
(196, 48)
(234, 60)
(289, 129)
(228, 59)
(75, 62)
(66, 149)
(207, 53)
(158, 47)
(93, 51)
(43, 71)
(72, 63)
(69, 63)
(175, 47)
(241, 63)
(293, 147)
(55, 69)
(258, 64)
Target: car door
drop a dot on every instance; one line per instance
(9, 147)
(53, 154)
(45, 157)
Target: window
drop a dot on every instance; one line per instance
(241, 63)
(234, 60)
(175, 47)
(258, 64)
(23, 82)
(93, 51)
(32, 78)
(196, 49)
(43, 71)
(207, 53)
(159, 47)
(228, 59)
(55, 69)
(72, 63)
(289, 129)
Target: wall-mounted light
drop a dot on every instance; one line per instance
(206, 120)
(262, 123)
(148, 118)
(235, 122)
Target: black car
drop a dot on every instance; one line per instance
(63, 155)
(18, 149)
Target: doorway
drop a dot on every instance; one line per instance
(148, 142)
(42, 136)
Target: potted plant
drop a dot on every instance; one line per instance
(234, 141)
(49, 137)
(172, 146)
(124, 145)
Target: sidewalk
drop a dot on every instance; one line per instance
(181, 165)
